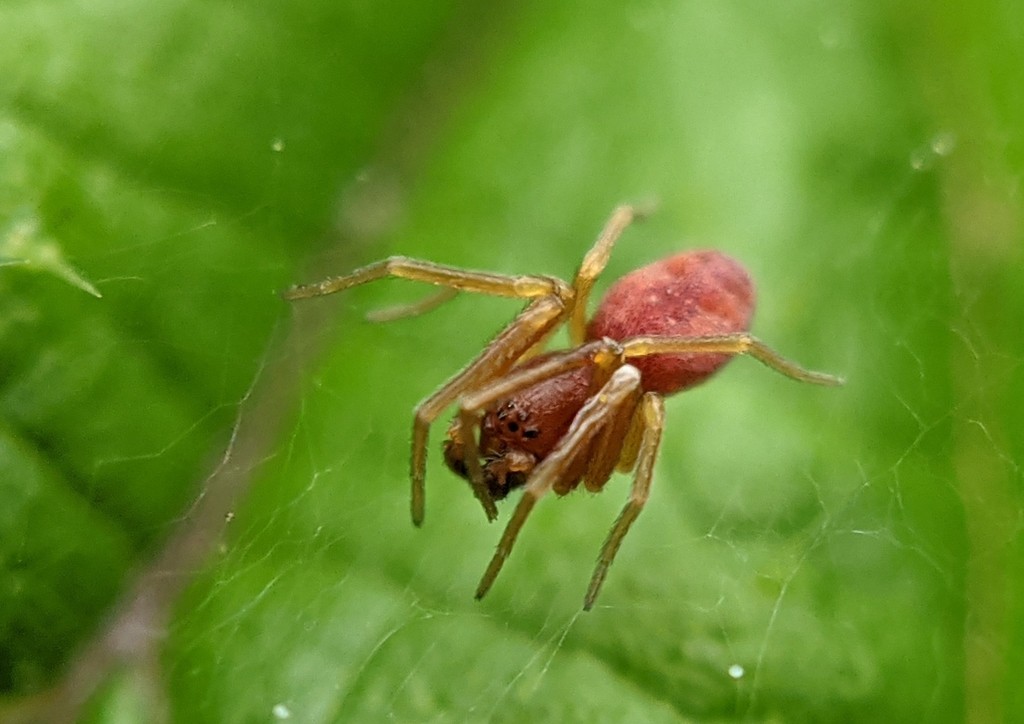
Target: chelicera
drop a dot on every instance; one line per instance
(550, 421)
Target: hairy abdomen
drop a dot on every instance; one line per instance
(695, 293)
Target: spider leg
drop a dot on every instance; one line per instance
(651, 414)
(589, 422)
(412, 309)
(741, 343)
(630, 448)
(594, 263)
(465, 280)
(550, 299)
(531, 326)
(605, 354)
(607, 450)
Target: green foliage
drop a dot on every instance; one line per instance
(807, 555)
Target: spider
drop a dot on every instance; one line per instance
(548, 421)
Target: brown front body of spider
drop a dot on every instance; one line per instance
(520, 431)
(692, 294)
(551, 421)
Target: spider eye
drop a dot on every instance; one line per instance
(513, 427)
(531, 433)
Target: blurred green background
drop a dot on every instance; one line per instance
(203, 489)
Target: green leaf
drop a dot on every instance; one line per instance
(203, 488)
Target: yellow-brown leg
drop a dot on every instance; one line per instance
(412, 309)
(605, 354)
(465, 280)
(608, 448)
(594, 263)
(631, 444)
(652, 414)
(531, 326)
(585, 428)
(551, 296)
(741, 343)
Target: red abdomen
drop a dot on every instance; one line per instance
(692, 294)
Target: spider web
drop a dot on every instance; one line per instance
(807, 554)
(803, 554)
(787, 547)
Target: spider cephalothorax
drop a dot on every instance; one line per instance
(549, 422)
(518, 432)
